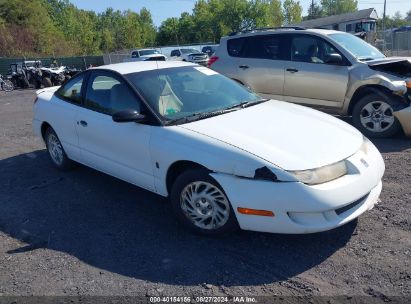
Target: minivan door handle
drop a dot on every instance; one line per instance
(292, 70)
(83, 123)
(243, 67)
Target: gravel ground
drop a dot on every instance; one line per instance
(86, 233)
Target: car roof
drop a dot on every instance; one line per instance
(147, 49)
(141, 66)
(282, 31)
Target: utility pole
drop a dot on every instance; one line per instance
(383, 26)
(383, 15)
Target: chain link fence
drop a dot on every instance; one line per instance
(393, 43)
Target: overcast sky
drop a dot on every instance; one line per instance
(163, 9)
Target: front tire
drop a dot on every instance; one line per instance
(7, 86)
(56, 151)
(374, 116)
(201, 204)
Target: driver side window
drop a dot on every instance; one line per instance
(108, 94)
(310, 49)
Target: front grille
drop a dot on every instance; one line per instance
(350, 206)
(199, 58)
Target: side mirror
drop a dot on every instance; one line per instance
(128, 116)
(333, 58)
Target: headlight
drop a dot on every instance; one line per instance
(365, 147)
(322, 174)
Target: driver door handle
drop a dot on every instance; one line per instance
(292, 70)
(243, 67)
(83, 123)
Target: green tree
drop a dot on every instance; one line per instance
(315, 11)
(335, 7)
(276, 15)
(292, 11)
(148, 30)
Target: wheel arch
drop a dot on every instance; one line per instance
(178, 167)
(364, 91)
(44, 126)
(238, 81)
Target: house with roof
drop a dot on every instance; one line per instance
(360, 21)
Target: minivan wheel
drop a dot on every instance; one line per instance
(374, 116)
(56, 151)
(201, 204)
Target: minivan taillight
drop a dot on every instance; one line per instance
(212, 60)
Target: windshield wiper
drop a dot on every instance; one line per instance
(365, 58)
(198, 116)
(246, 104)
(203, 115)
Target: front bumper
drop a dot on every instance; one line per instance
(299, 208)
(404, 117)
(200, 62)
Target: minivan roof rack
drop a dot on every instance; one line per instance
(261, 29)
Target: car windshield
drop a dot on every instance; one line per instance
(356, 46)
(148, 52)
(176, 93)
(189, 51)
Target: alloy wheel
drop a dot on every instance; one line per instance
(377, 116)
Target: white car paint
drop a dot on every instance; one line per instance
(278, 135)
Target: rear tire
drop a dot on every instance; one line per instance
(201, 204)
(25, 83)
(56, 151)
(374, 116)
(47, 82)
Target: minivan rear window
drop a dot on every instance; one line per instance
(235, 46)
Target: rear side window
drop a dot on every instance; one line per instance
(71, 91)
(175, 53)
(265, 47)
(235, 46)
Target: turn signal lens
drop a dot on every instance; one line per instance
(248, 211)
(408, 84)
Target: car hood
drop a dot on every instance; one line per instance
(289, 136)
(386, 60)
(152, 55)
(397, 66)
(196, 54)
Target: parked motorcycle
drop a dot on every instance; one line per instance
(6, 84)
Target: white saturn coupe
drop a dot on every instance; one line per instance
(225, 157)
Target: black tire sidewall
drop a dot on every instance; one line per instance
(356, 115)
(193, 175)
(47, 82)
(66, 164)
